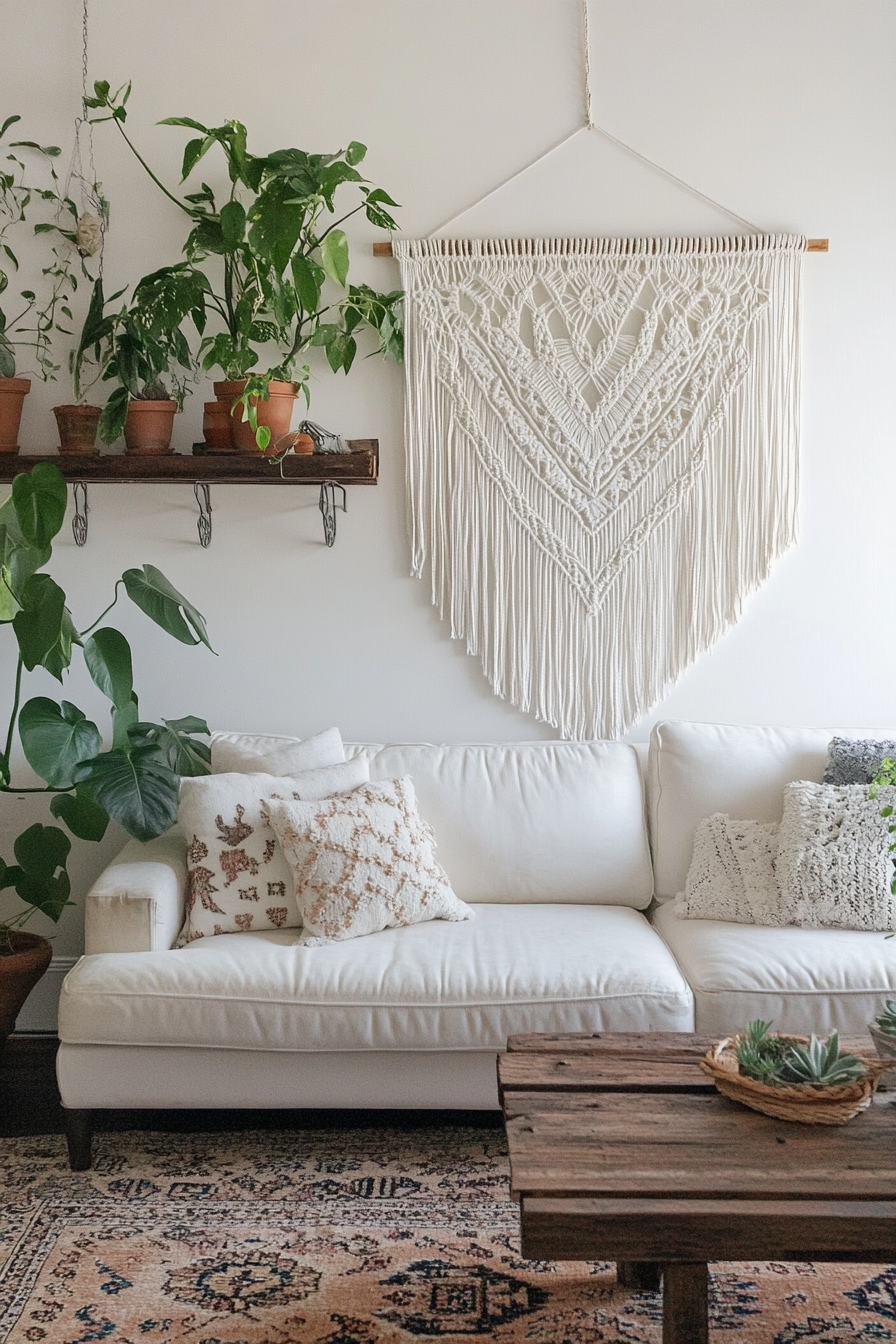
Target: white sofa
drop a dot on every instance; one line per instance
(560, 847)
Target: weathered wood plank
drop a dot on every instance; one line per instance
(641, 1044)
(665, 1230)
(360, 467)
(587, 1072)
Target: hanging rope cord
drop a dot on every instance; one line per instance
(89, 225)
(591, 125)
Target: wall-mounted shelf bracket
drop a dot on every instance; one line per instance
(202, 491)
(328, 507)
(82, 508)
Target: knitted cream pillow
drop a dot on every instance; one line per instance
(732, 874)
(237, 877)
(363, 862)
(833, 866)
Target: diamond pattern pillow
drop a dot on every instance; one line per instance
(237, 877)
(363, 862)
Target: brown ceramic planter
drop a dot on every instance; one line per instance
(216, 427)
(12, 397)
(275, 414)
(303, 444)
(77, 429)
(19, 974)
(149, 426)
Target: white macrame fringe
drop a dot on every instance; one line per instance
(589, 554)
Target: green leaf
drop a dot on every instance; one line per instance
(334, 256)
(108, 658)
(44, 626)
(276, 225)
(137, 788)
(193, 152)
(162, 603)
(308, 278)
(183, 121)
(41, 850)
(124, 719)
(85, 819)
(56, 738)
(233, 223)
(10, 121)
(114, 414)
(174, 739)
(355, 152)
(40, 498)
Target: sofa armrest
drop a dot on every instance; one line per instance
(137, 903)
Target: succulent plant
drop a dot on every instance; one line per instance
(886, 1021)
(820, 1064)
(781, 1061)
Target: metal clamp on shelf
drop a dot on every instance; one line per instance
(82, 508)
(202, 491)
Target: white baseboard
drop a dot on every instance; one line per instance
(39, 1012)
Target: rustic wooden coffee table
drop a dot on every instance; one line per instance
(621, 1149)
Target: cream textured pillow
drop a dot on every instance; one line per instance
(363, 862)
(834, 866)
(262, 753)
(237, 877)
(732, 873)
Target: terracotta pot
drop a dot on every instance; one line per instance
(77, 429)
(12, 397)
(149, 427)
(303, 444)
(275, 413)
(19, 974)
(216, 427)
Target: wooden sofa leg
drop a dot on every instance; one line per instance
(645, 1275)
(79, 1135)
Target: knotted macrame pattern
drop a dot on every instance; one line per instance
(602, 454)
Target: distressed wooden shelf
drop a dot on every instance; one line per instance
(329, 471)
(359, 467)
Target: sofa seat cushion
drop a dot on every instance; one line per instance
(464, 986)
(803, 980)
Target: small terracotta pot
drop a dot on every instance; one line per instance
(149, 427)
(275, 414)
(303, 444)
(12, 397)
(19, 974)
(216, 427)
(77, 429)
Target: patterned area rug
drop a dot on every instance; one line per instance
(345, 1237)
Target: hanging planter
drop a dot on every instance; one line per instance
(77, 427)
(12, 398)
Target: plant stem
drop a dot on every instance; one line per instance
(140, 159)
(15, 709)
(103, 613)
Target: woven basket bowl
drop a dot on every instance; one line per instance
(805, 1104)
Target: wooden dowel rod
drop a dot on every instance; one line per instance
(812, 245)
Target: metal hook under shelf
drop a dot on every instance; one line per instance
(203, 495)
(82, 508)
(328, 506)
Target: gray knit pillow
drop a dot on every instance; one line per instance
(856, 760)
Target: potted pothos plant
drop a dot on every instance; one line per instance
(134, 779)
(141, 346)
(275, 266)
(28, 323)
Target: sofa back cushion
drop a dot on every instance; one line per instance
(539, 822)
(696, 769)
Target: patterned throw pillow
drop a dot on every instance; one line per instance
(834, 866)
(363, 862)
(237, 877)
(732, 873)
(856, 760)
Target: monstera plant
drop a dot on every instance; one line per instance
(135, 778)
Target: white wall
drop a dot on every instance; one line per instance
(784, 112)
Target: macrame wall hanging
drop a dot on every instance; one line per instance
(602, 447)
